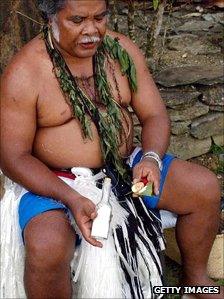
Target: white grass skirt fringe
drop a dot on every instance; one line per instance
(96, 272)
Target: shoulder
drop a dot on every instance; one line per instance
(27, 62)
(19, 74)
(141, 69)
(132, 49)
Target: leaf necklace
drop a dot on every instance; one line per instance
(109, 127)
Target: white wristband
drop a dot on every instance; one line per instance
(155, 157)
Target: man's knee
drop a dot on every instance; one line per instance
(49, 254)
(210, 193)
(48, 248)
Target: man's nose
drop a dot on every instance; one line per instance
(90, 28)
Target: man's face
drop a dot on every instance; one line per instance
(80, 27)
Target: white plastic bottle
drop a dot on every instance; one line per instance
(101, 223)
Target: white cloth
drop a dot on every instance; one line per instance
(97, 271)
(168, 219)
(12, 249)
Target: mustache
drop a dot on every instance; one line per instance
(90, 39)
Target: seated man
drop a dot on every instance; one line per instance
(76, 115)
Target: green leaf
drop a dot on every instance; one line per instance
(133, 78)
(78, 111)
(114, 51)
(155, 4)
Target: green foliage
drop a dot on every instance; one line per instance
(219, 281)
(220, 168)
(217, 149)
(155, 4)
(108, 124)
(115, 51)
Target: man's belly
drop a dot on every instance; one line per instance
(64, 146)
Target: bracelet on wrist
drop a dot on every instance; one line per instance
(155, 157)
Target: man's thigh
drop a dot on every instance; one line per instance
(50, 234)
(187, 187)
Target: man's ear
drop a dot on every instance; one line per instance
(53, 23)
(51, 19)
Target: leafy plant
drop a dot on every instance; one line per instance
(155, 4)
(220, 168)
(217, 149)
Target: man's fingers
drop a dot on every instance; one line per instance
(94, 242)
(85, 227)
(137, 174)
(90, 211)
(156, 187)
(146, 172)
(156, 183)
(86, 232)
(93, 215)
(89, 225)
(140, 172)
(149, 178)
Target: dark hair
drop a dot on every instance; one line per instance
(49, 8)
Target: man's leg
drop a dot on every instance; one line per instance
(193, 192)
(49, 244)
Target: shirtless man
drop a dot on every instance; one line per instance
(39, 132)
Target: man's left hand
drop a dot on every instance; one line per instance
(147, 168)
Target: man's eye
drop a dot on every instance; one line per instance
(99, 18)
(77, 20)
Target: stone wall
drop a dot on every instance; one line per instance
(188, 71)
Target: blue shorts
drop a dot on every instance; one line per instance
(32, 204)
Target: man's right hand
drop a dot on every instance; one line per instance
(84, 211)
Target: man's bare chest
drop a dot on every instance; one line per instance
(53, 108)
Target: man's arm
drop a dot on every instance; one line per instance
(18, 127)
(151, 112)
(148, 105)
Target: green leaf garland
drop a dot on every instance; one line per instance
(108, 124)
